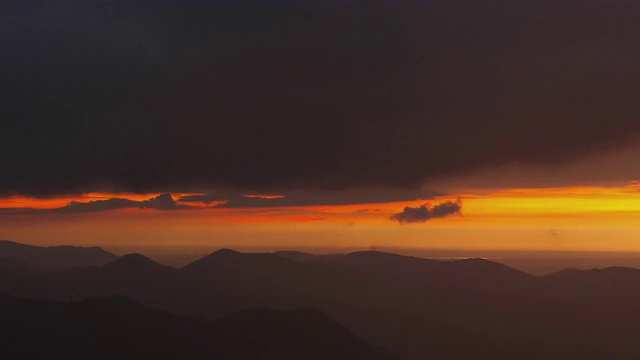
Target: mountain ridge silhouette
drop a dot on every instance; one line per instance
(418, 308)
(55, 257)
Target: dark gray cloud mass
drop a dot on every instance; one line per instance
(161, 202)
(307, 94)
(425, 212)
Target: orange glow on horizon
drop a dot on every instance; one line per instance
(576, 218)
(258, 196)
(548, 202)
(30, 202)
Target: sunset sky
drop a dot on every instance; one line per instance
(327, 124)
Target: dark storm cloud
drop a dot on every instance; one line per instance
(425, 212)
(292, 95)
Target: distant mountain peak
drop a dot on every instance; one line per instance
(377, 256)
(225, 252)
(612, 271)
(371, 254)
(134, 262)
(231, 259)
(136, 258)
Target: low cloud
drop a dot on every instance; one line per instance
(426, 212)
(234, 200)
(204, 198)
(160, 202)
(326, 198)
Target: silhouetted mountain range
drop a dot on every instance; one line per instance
(117, 328)
(54, 258)
(418, 308)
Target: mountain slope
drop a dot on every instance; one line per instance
(57, 257)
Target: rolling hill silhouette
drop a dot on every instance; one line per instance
(418, 308)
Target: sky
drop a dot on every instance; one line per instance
(339, 124)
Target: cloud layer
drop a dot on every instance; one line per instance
(230, 199)
(425, 212)
(161, 202)
(174, 96)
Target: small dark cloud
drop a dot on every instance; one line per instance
(97, 205)
(425, 212)
(446, 208)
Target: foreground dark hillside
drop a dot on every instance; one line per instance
(418, 308)
(117, 328)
